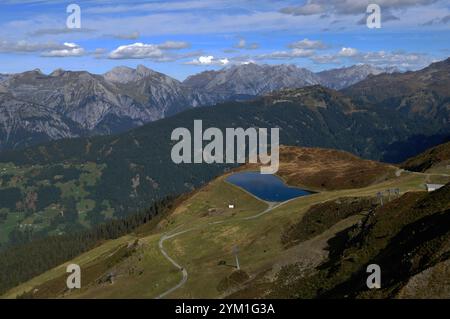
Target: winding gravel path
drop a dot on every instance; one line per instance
(173, 262)
(271, 206)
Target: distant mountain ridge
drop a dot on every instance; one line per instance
(256, 79)
(252, 79)
(347, 76)
(66, 104)
(71, 104)
(423, 94)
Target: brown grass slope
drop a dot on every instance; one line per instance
(328, 169)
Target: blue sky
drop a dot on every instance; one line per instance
(180, 38)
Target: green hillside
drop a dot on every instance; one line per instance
(408, 238)
(278, 244)
(114, 176)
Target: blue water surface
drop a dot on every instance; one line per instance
(266, 186)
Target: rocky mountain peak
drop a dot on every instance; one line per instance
(57, 72)
(347, 76)
(143, 71)
(120, 74)
(38, 71)
(88, 104)
(252, 79)
(124, 74)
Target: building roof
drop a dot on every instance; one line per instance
(433, 187)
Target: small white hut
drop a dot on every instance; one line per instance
(433, 187)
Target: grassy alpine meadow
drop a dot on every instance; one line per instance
(204, 232)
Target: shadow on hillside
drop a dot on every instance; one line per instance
(398, 152)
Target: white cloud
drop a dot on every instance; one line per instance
(247, 62)
(156, 6)
(313, 7)
(326, 59)
(137, 51)
(306, 10)
(291, 54)
(242, 44)
(398, 59)
(70, 50)
(148, 51)
(174, 45)
(348, 52)
(193, 23)
(435, 21)
(208, 60)
(308, 44)
(59, 31)
(49, 49)
(125, 36)
(213, 17)
(26, 47)
(402, 60)
(205, 59)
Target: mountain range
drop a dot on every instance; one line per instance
(64, 189)
(92, 179)
(36, 107)
(347, 76)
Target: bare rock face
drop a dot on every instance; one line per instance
(344, 77)
(23, 123)
(3, 77)
(252, 79)
(123, 74)
(71, 104)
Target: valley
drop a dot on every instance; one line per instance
(188, 252)
(134, 168)
(211, 158)
(142, 226)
